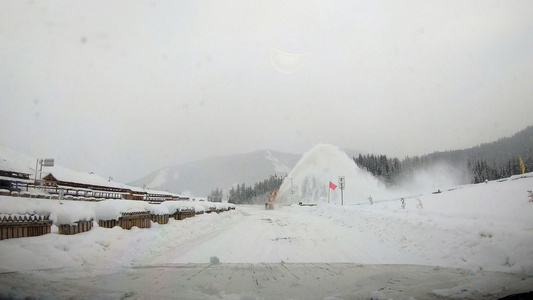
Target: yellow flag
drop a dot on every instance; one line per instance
(522, 168)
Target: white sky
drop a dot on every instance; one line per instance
(122, 88)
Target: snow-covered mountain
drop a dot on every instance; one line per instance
(198, 178)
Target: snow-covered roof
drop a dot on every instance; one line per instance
(16, 179)
(155, 192)
(67, 175)
(15, 162)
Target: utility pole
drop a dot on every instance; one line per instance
(44, 162)
(341, 185)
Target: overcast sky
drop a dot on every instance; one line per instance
(123, 88)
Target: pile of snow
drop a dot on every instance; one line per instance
(319, 166)
(174, 206)
(112, 209)
(207, 206)
(65, 212)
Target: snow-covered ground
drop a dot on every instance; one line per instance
(474, 241)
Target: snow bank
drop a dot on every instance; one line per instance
(64, 212)
(68, 212)
(174, 206)
(111, 209)
(199, 209)
(208, 206)
(102, 249)
(205, 206)
(484, 226)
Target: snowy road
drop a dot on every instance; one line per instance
(255, 235)
(267, 281)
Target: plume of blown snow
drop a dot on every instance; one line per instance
(319, 166)
(439, 175)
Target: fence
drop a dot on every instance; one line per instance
(24, 226)
(108, 223)
(34, 225)
(219, 210)
(161, 219)
(140, 219)
(180, 215)
(81, 226)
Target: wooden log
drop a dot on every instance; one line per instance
(160, 219)
(24, 227)
(139, 219)
(107, 223)
(175, 215)
(79, 227)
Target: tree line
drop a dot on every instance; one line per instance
(489, 161)
(256, 194)
(392, 170)
(483, 171)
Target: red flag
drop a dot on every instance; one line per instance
(332, 185)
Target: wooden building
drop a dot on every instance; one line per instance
(12, 179)
(74, 185)
(93, 186)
